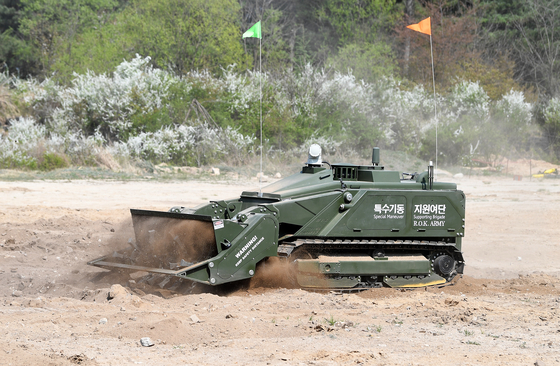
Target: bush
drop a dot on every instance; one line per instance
(52, 161)
(140, 112)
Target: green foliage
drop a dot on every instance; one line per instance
(52, 161)
(52, 27)
(331, 320)
(354, 20)
(273, 51)
(98, 49)
(528, 31)
(16, 54)
(18, 162)
(8, 102)
(548, 117)
(180, 35)
(368, 62)
(497, 79)
(186, 35)
(505, 47)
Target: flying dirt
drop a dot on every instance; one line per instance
(341, 226)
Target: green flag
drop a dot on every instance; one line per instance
(254, 31)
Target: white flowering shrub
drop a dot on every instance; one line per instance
(27, 142)
(467, 98)
(512, 119)
(406, 114)
(242, 89)
(144, 113)
(197, 145)
(550, 123)
(100, 103)
(552, 111)
(514, 107)
(24, 133)
(17, 146)
(328, 144)
(462, 121)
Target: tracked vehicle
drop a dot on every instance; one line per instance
(342, 226)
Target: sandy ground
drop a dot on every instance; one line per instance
(55, 310)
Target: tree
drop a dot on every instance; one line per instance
(178, 35)
(539, 46)
(52, 27)
(548, 117)
(279, 29)
(185, 35)
(360, 37)
(526, 32)
(409, 14)
(15, 52)
(368, 62)
(454, 37)
(358, 19)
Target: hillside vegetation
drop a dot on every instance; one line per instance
(110, 83)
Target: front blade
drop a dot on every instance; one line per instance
(165, 243)
(167, 238)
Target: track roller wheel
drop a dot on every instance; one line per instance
(444, 265)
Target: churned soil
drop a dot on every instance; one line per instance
(56, 310)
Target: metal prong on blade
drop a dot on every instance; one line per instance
(184, 263)
(118, 255)
(132, 243)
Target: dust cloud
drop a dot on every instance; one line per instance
(275, 272)
(162, 242)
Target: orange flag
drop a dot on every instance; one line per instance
(423, 26)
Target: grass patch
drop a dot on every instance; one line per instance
(72, 173)
(374, 329)
(331, 321)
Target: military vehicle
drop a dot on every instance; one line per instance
(341, 226)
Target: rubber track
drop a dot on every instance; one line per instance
(286, 249)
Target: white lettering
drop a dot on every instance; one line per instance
(397, 208)
(427, 209)
(256, 245)
(247, 249)
(438, 223)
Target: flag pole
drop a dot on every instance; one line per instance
(425, 27)
(435, 100)
(260, 100)
(255, 31)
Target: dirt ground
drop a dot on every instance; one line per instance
(55, 310)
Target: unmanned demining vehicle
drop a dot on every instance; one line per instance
(339, 226)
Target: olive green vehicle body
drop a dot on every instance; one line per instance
(343, 226)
